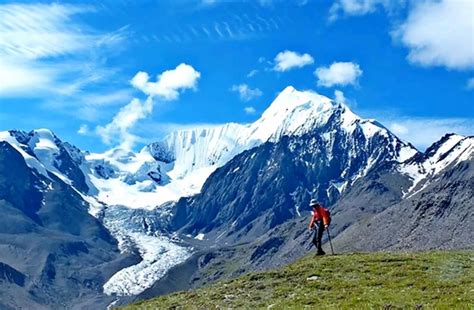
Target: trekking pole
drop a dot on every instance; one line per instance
(311, 243)
(329, 237)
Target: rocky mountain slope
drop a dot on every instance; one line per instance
(179, 165)
(264, 227)
(53, 252)
(204, 197)
(436, 215)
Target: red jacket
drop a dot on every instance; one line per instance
(320, 214)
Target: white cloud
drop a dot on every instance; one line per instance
(358, 7)
(250, 110)
(245, 92)
(167, 87)
(288, 60)
(83, 130)
(168, 83)
(252, 73)
(106, 99)
(422, 132)
(470, 84)
(339, 73)
(436, 32)
(119, 129)
(339, 96)
(399, 129)
(440, 33)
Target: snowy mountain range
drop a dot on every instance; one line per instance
(207, 187)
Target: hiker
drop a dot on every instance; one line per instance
(321, 220)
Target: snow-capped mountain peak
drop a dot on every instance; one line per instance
(179, 165)
(450, 150)
(43, 144)
(16, 139)
(436, 151)
(292, 112)
(44, 152)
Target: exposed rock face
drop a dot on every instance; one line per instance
(254, 207)
(52, 251)
(441, 216)
(270, 184)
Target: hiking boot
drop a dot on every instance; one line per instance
(320, 252)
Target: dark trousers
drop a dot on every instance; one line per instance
(318, 235)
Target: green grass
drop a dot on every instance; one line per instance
(425, 280)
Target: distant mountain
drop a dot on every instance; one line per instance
(271, 183)
(179, 165)
(253, 211)
(135, 235)
(108, 227)
(438, 211)
(52, 251)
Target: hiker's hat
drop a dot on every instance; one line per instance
(313, 203)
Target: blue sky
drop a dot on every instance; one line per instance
(72, 66)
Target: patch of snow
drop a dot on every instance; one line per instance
(406, 153)
(340, 186)
(31, 161)
(369, 129)
(200, 237)
(220, 235)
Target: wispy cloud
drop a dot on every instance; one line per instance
(252, 73)
(83, 130)
(250, 110)
(168, 86)
(470, 84)
(339, 96)
(245, 92)
(422, 132)
(106, 99)
(235, 27)
(44, 50)
(352, 7)
(25, 78)
(36, 31)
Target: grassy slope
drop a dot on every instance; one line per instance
(376, 280)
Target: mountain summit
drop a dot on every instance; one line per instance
(179, 165)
